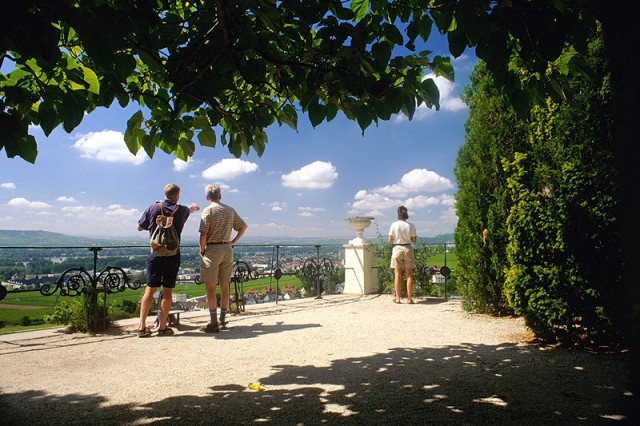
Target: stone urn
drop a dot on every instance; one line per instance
(359, 223)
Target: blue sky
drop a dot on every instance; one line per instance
(88, 184)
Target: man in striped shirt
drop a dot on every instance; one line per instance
(217, 223)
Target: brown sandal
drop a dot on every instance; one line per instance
(145, 332)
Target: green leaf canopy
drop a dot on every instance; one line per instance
(193, 66)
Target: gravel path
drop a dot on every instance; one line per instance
(342, 359)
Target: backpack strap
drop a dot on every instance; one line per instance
(162, 212)
(162, 220)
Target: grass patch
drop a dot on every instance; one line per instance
(24, 311)
(438, 259)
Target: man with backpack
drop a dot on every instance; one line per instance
(163, 262)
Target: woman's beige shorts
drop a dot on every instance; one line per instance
(402, 257)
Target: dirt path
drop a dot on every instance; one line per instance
(344, 360)
(21, 307)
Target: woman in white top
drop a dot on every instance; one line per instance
(402, 234)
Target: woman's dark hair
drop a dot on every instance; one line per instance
(402, 213)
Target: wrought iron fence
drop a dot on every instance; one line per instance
(79, 280)
(308, 264)
(427, 274)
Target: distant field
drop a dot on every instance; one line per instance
(438, 259)
(32, 304)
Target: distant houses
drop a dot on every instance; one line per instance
(438, 278)
(30, 282)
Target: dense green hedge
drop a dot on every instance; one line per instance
(537, 231)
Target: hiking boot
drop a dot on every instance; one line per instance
(210, 328)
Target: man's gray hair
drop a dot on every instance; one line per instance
(213, 192)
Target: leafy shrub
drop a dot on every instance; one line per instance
(25, 320)
(493, 131)
(129, 306)
(118, 314)
(62, 312)
(86, 313)
(91, 313)
(329, 283)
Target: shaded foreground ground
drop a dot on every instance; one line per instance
(342, 359)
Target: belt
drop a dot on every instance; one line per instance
(217, 242)
(402, 244)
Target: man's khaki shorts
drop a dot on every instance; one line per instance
(402, 257)
(217, 264)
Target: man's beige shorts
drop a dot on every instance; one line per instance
(217, 264)
(402, 257)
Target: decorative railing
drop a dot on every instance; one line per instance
(112, 279)
(75, 281)
(317, 268)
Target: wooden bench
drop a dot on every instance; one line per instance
(174, 317)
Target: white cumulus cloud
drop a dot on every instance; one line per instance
(411, 191)
(229, 168)
(373, 201)
(112, 215)
(8, 185)
(108, 145)
(180, 165)
(311, 209)
(24, 203)
(66, 199)
(317, 175)
(417, 180)
(422, 201)
(277, 206)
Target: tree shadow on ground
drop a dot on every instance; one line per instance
(247, 331)
(430, 301)
(463, 384)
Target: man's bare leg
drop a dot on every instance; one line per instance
(165, 305)
(145, 306)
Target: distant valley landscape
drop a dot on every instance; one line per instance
(19, 238)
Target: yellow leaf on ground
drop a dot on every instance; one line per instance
(255, 386)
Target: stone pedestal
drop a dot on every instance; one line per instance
(361, 274)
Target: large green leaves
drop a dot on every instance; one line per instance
(243, 68)
(258, 62)
(359, 8)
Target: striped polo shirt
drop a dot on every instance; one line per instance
(218, 220)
